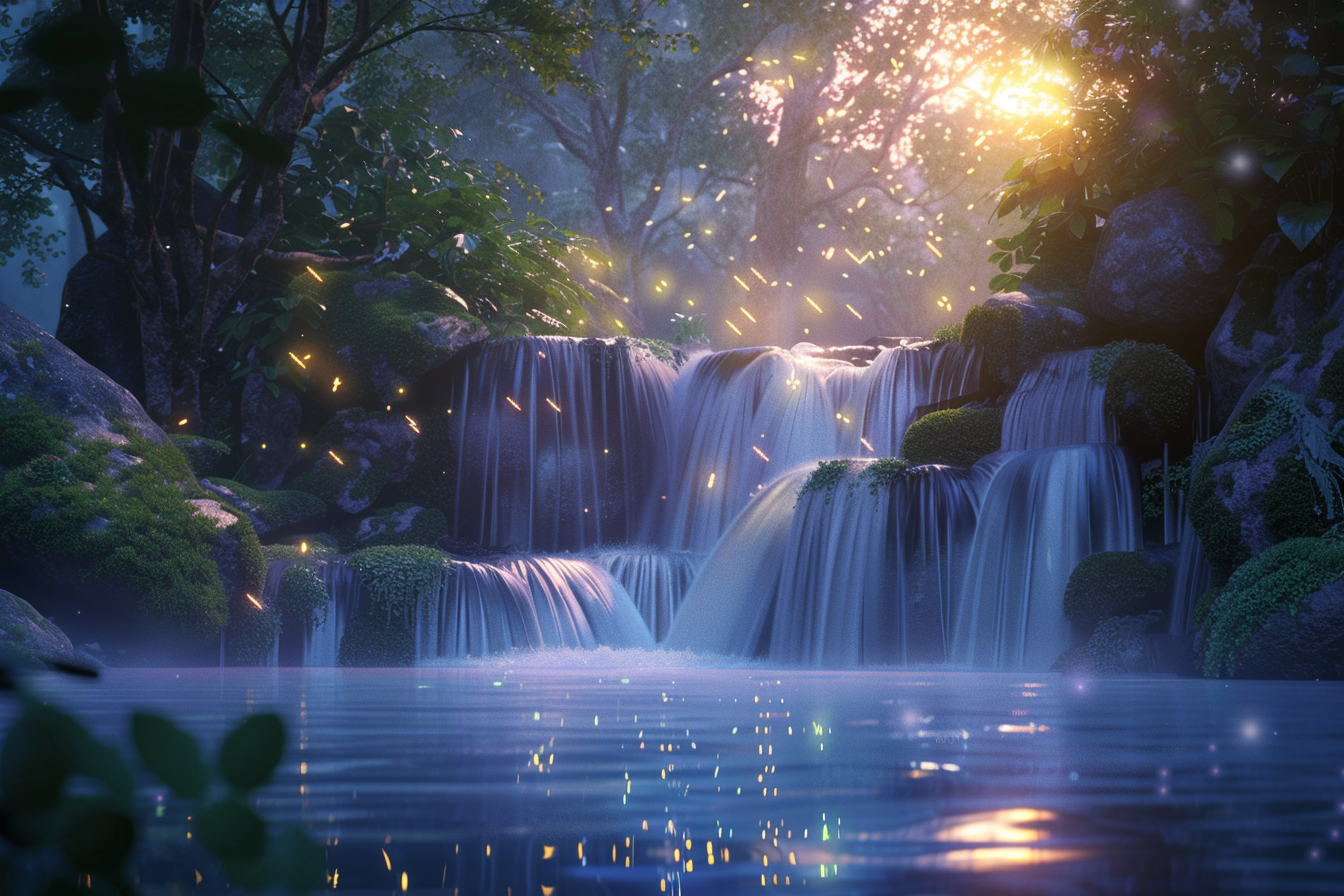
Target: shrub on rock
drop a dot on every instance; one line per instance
(957, 437)
(1149, 391)
(1112, 583)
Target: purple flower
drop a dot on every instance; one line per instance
(1296, 39)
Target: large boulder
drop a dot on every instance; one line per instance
(273, 513)
(98, 319)
(1160, 274)
(1272, 305)
(1306, 642)
(1013, 331)
(27, 636)
(34, 364)
(101, 517)
(271, 419)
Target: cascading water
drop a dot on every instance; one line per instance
(1057, 403)
(1044, 511)
(579, 604)
(555, 439)
(745, 416)
(861, 573)
(656, 580)
(1193, 578)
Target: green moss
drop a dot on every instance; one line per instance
(28, 349)
(203, 454)
(1330, 387)
(1112, 583)
(251, 636)
(48, 470)
(1149, 391)
(1150, 486)
(998, 333)
(1290, 502)
(1263, 420)
(1256, 314)
(301, 595)
(278, 509)
(132, 531)
(372, 639)
(958, 437)
(1218, 528)
(1310, 343)
(396, 576)
(28, 431)
(425, 528)
(947, 333)
(825, 478)
(883, 473)
(1279, 578)
(1099, 366)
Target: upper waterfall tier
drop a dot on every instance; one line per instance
(1057, 403)
(556, 441)
(746, 416)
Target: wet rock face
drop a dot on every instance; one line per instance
(1307, 643)
(1159, 273)
(98, 321)
(274, 421)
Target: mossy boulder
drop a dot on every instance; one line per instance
(375, 639)
(957, 437)
(396, 577)
(1119, 645)
(270, 420)
(379, 335)
(1113, 583)
(1150, 392)
(272, 513)
(1013, 331)
(1278, 580)
(401, 524)
(1304, 642)
(29, 638)
(358, 454)
(204, 455)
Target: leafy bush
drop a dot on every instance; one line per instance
(1178, 475)
(877, 475)
(1112, 583)
(1278, 578)
(1289, 502)
(957, 437)
(72, 813)
(947, 333)
(1223, 101)
(396, 577)
(1148, 391)
(302, 596)
(998, 333)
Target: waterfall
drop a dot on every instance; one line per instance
(1057, 404)
(868, 571)
(579, 604)
(555, 440)
(656, 580)
(861, 574)
(1193, 578)
(1043, 512)
(745, 416)
(477, 610)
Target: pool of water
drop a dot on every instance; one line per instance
(536, 779)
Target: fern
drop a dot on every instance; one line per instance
(1274, 412)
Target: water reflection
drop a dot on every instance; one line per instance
(531, 780)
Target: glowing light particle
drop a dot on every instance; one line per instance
(747, 313)
(742, 283)
(814, 304)
(761, 453)
(256, 603)
(516, 405)
(711, 480)
(853, 312)
(335, 458)
(316, 275)
(733, 327)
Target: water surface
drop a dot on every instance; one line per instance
(521, 778)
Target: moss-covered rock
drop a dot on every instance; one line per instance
(1149, 391)
(374, 639)
(1113, 583)
(301, 595)
(396, 577)
(1013, 331)
(272, 513)
(1119, 645)
(402, 524)
(1278, 579)
(251, 636)
(1305, 642)
(204, 455)
(357, 455)
(379, 335)
(122, 531)
(958, 437)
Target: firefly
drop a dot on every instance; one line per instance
(335, 458)
(316, 275)
(256, 603)
(516, 405)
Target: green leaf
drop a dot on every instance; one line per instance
(170, 754)
(252, 751)
(254, 142)
(1299, 64)
(1279, 165)
(1077, 225)
(1301, 222)
(95, 838)
(1004, 282)
(33, 763)
(231, 831)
